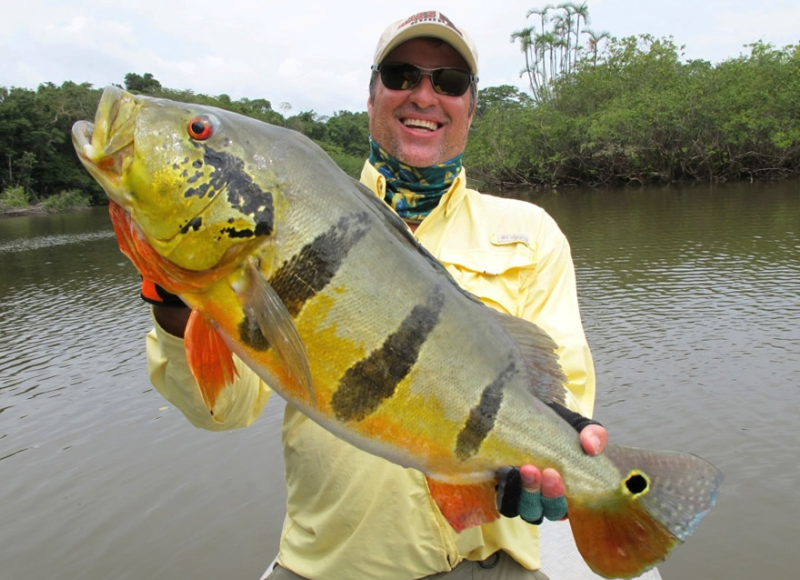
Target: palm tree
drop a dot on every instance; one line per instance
(580, 11)
(562, 34)
(542, 12)
(566, 23)
(546, 44)
(594, 41)
(525, 36)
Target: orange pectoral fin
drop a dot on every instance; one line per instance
(465, 506)
(210, 359)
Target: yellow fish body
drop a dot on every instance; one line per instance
(319, 287)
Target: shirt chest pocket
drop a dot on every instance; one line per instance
(494, 274)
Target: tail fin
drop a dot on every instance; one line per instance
(661, 498)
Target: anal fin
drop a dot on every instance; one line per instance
(465, 506)
(210, 359)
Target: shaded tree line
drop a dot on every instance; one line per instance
(636, 113)
(37, 159)
(632, 113)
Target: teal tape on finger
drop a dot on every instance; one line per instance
(554, 508)
(530, 506)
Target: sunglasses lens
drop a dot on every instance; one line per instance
(404, 76)
(450, 81)
(400, 77)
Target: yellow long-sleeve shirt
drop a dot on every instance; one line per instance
(354, 515)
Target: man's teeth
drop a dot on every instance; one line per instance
(420, 123)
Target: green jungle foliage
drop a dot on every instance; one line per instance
(14, 197)
(637, 114)
(65, 200)
(629, 112)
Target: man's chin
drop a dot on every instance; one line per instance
(420, 156)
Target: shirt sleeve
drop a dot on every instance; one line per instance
(550, 299)
(238, 405)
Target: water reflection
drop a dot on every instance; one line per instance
(97, 470)
(691, 299)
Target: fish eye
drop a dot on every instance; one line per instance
(201, 128)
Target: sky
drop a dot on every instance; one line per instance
(315, 55)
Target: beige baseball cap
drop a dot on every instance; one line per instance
(431, 23)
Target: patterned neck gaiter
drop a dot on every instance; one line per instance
(413, 192)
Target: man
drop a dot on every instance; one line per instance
(356, 516)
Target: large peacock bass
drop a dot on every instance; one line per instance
(319, 287)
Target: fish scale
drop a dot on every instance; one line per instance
(322, 290)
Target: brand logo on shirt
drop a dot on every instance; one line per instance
(511, 238)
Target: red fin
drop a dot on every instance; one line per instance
(121, 222)
(617, 541)
(209, 358)
(465, 506)
(130, 242)
(661, 497)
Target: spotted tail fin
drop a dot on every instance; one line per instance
(661, 498)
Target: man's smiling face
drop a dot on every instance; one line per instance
(420, 127)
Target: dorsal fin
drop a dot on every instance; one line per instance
(538, 349)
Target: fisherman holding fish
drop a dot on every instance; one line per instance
(354, 515)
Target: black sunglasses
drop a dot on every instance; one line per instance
(403, 76)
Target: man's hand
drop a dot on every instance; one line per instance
(170, 312)
(548, 484)
(542, 492)
(172, 319)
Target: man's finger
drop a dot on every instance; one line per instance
(554, 504)
(552, 484)
(594, 439)
(531, 478)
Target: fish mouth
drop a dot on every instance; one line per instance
(106, 146)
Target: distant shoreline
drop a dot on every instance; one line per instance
(33, 210)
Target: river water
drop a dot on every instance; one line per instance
(691, 302)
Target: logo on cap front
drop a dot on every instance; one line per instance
(429, 16)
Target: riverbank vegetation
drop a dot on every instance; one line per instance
(613, 112)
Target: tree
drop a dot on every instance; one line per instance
(309, 124)
(527, 46)
(594, 41)
(350, 131)
(285, 106)
(142, 83)
(581, 11)
(503, 96)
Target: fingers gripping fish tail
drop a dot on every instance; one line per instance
(661, 498)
